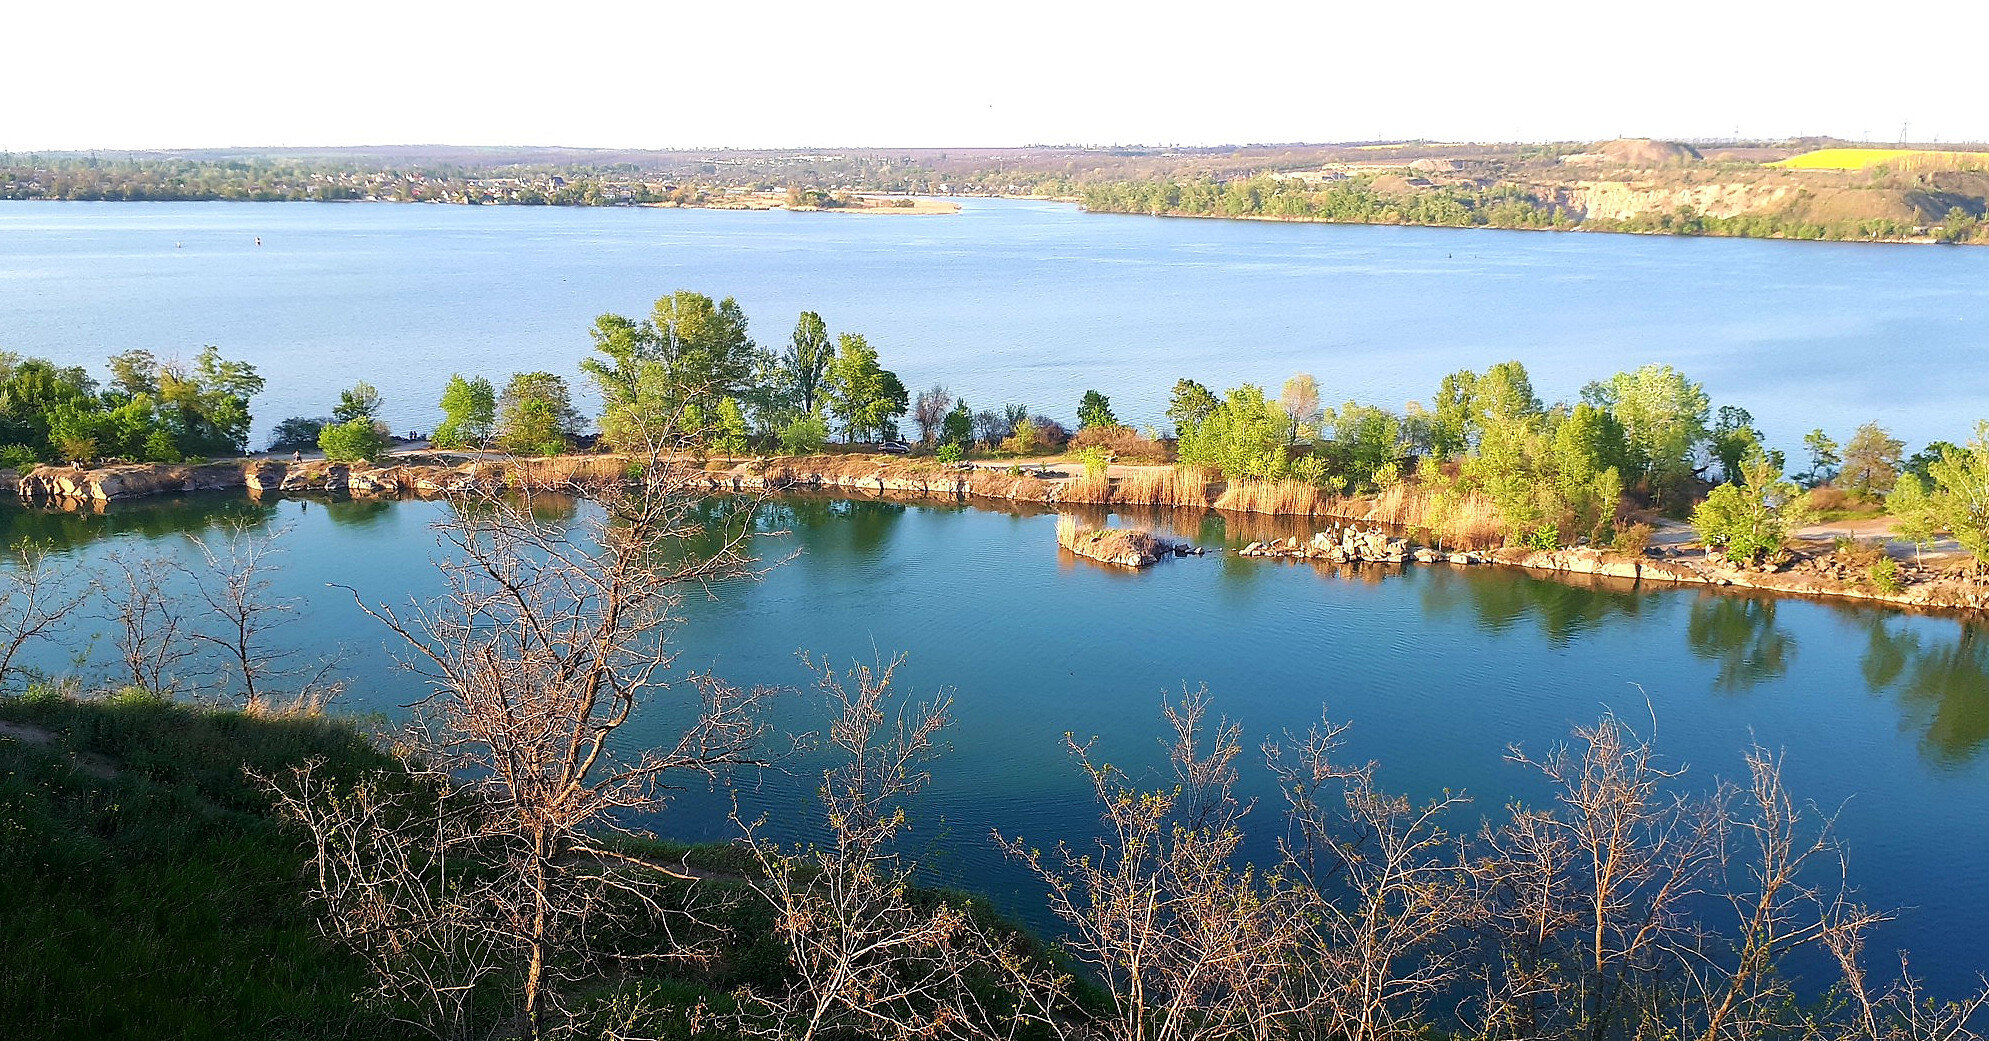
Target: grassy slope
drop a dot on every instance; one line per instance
(160, 901)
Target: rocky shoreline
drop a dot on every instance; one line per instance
(1341, 541)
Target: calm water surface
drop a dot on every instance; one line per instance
(1882, 713)
(1009, 301)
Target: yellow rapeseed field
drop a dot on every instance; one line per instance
(1863, 158)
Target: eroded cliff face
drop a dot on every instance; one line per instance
(1624, 200)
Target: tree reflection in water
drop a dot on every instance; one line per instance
(1942, 685)
(1503, 598)
(1739, 635)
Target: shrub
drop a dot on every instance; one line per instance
(1885, 576)
(1124, 443)
(18, 457)
(1545, 536)
(297, 433)
(806, 434)
(1635, 538)
(949, 452)
(355, 440)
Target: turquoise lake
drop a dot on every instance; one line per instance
(1881, 713)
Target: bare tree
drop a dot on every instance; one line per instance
(150, 625)
(547, 640)
(1188, 945)
(1589, 904)
(929, 411)
(1392, 936)
(246, 614)
(869, 960)
(38, 593)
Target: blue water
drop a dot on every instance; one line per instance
(1881, 713)
(1009, 301)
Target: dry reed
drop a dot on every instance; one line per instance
(1295, 498)
(1170, 487)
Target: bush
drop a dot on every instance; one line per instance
(1885, 576)
(805, 435)
(1124, 443)
(356, 440)
(297, 433)
(949, 452)
(18, 457)
(1635, 538)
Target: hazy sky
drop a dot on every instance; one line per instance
(655, 75)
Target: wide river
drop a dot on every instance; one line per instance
(1009, 302)
(1880, 713)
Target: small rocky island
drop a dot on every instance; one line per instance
(1126, 547)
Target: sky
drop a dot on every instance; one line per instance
(944, 73)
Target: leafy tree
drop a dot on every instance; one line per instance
(469, 411)
(865, 396)
(1300, 401)
(1960, 496)
(361, 402)
(1664, 420)
(805, 434)
(729, 435)
(691, 350)
(1734, 439)
(1871, 461)
(1911, 504)
(1453, 424)
(1823, 458)
(208, 408)
(1365, 439)
(806, 361)
(1504, 394)
(297, 433)
(958, 426)
(1919, 463)
(535, 414)
(1095, 410)
(1189, 405)
(134, 372)
(1242, 437)
(929, 412)
(1749, 521)
(356, 439)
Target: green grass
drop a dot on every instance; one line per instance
(161, 901)
(146, 890)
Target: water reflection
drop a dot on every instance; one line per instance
(75, 528)
(1739, 635)
(1503, 599)
(1942, 685)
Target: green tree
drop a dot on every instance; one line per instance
(469, 412)
(535, 415)
(806, 361)
(297, 433)
(1095, 410)
(134, 372)
(1823, 457)
(1244, 436)
(1960, 496)
(361, 402)
(1749, 521)
(1366, 438)
(1453, 422)
(805, 434)
(1189, 405)
(1664, 421)
(865, 396)
(1871, 461)
(690, 351)
(1733, 440)
(354, 440)
(958, 426)
(1914, 518)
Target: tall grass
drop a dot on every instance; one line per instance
(1463, 520)
(1296, 498)
(1175, 486)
